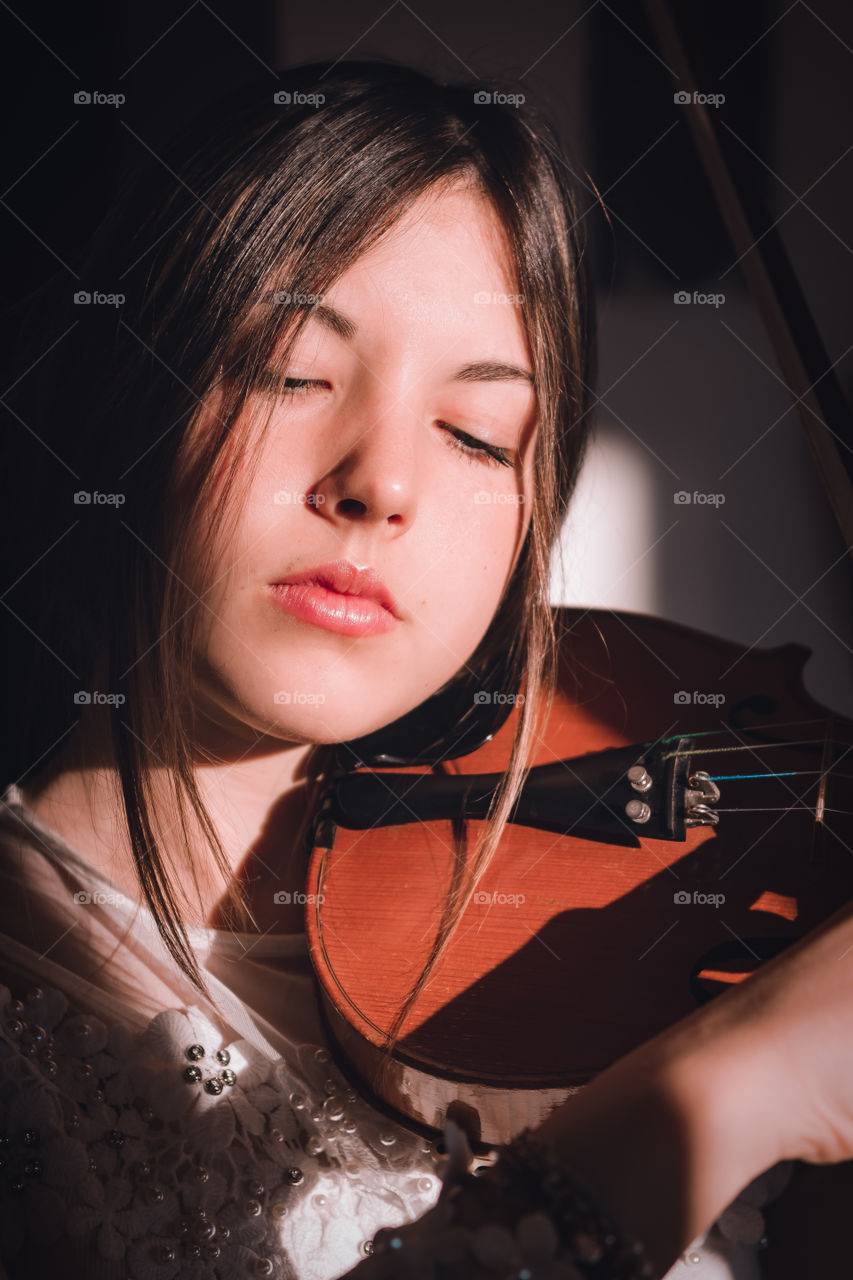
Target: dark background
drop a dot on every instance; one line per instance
(691, 396)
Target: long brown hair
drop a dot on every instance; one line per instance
(257, 196)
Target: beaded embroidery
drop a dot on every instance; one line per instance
(181, 1156)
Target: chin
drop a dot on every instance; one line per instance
(325, 722)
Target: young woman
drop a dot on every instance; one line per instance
(305, 469)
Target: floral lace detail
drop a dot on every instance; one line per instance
(177, 1154)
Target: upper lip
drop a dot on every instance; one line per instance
(347, 579)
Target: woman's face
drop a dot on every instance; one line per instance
(362, 465)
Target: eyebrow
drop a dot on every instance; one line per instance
(476, 371)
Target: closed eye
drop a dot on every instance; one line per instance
(273, 384)
(469, 446)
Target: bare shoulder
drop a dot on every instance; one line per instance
(83, 815)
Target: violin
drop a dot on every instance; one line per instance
(685, 816)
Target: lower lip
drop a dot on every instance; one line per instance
(348, 615)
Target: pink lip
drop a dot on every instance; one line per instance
(339, 597)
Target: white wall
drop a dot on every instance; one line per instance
(696, 413)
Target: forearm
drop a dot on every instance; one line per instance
(666, 1138)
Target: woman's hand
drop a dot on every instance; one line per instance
(801, 1004)
(671, 1133)
(785, 1037)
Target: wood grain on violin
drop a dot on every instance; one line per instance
(576, 949)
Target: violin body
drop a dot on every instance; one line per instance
(574, 950)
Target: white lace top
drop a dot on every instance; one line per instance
(147, 1135)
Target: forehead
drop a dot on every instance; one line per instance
(444, 266)
(457, 214)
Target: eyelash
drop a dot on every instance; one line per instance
(469, 446)
(477, 450)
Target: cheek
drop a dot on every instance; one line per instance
(470, 564)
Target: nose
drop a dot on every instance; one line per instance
(374, 480)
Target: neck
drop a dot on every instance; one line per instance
(255, 796)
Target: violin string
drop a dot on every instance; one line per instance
(826, 742)
(746, 746)
(738, 777)
(791, 773)
(776, 724)
(790, 808)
